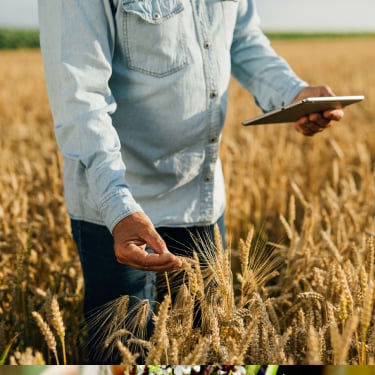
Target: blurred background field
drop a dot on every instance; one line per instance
(311, 199)
(326, 370)
(22, 370)
(18, 38)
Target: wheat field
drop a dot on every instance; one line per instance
(296, 284)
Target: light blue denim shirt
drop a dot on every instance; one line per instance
(138, 93)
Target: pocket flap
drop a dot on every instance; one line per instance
(153, 11)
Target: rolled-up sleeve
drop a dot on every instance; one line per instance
(256, 65)
(77, 41)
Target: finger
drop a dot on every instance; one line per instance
(308, 132)
(156, 243)
(308, 129)
(316, 120)
(335, 114)
(300, 123)
(303, 121)
(325, 91)
(161, 262)
(140, 259)
(304, 126)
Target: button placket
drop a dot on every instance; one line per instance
(213, 125)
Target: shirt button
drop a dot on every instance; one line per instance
(213, 139)
(156, 16)
(207, 45)
(213, 94)
(207, 178)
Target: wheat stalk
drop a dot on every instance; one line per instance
(365, 321)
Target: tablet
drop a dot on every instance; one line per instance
(295, 111)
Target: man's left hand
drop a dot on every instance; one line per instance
(316, 122)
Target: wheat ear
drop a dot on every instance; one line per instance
(160, 333)
(47, 333)
(128, 358)
(58, 324)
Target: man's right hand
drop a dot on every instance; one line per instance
(131, 235)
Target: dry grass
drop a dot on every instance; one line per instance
(305, 289)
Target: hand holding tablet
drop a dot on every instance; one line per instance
(303, 107)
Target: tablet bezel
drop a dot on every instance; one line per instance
(295, 111)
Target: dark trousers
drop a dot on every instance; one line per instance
(106, 280)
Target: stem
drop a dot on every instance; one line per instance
(252, 369)
(362, 360)
(62, 339)
(168, 287)
(4, 355)
(56, 357)
(272, 369)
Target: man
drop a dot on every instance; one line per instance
(138, 92)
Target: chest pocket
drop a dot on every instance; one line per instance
(154, 40)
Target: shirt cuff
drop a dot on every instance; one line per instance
(294, 91)
(117, 206)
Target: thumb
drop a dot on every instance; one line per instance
(325, 91)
